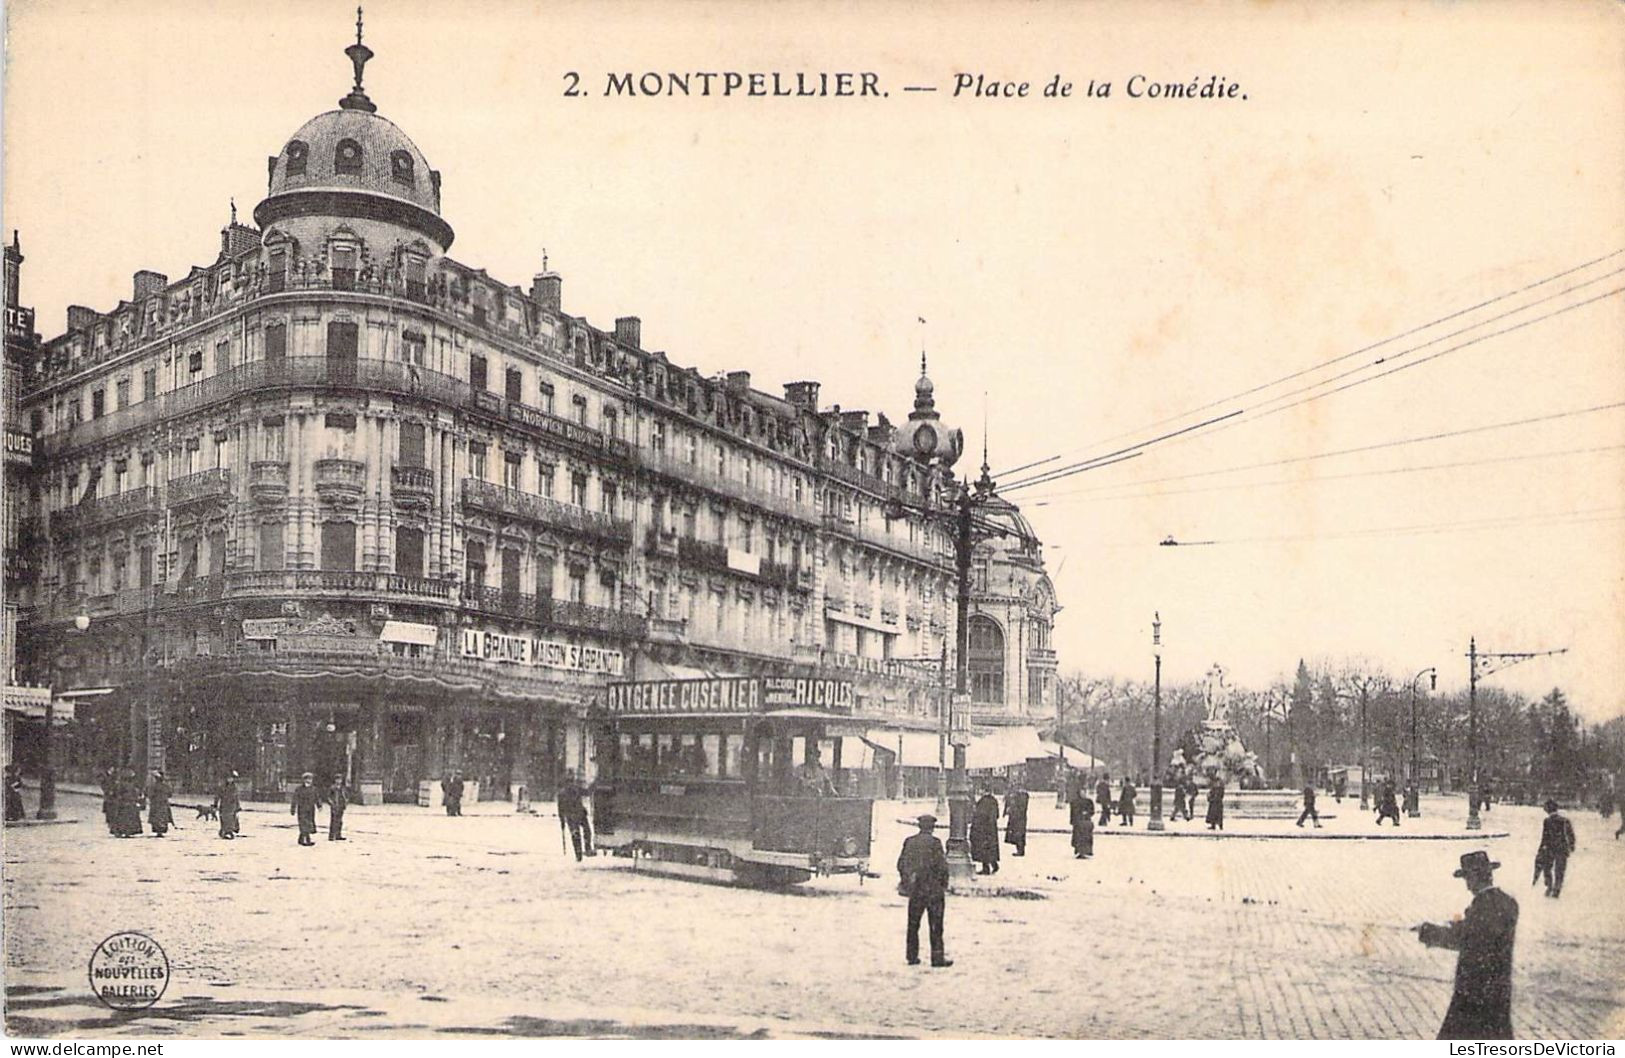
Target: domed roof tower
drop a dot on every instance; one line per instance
(352, 163)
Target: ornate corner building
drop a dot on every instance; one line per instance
(338, 502)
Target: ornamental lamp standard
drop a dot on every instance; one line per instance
(1155, 822)
(1416, 768)
(47, 779)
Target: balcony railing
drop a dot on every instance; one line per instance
(368, 583)
(268, 481)
(133, 503)
(340, 479)
(205, 484)
(922, 550)
(560, 613)
(672, 466)
(412, 485)
(553, 427)
(1042, 656)
(499, 499)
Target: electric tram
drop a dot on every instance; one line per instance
(737, 779)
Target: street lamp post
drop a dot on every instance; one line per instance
(1416, 760)
(47, 779)
(1155, 822)
(1480, 664)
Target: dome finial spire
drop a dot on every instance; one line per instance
(359, 53)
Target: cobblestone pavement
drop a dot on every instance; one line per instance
(423, 924)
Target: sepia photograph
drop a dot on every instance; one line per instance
(817, 521)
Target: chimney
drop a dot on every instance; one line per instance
(802, 394)
(855, 420)
(81, 318)
(237, 239)
(149, 283)
(629, 332)
(881, 432)
(547, 290)
(738, 382)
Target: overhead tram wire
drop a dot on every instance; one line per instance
(1288, 461)
(1261, 414)
(1111, 457)
(1237, 485)
(1344, 356)
(1587, 516)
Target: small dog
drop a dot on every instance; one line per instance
(208, 812)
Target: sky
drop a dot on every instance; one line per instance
(1091, 269)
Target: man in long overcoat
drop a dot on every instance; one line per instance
(1215, 804)
(127, 805)
(1481, 1007)
(1103, 798)
(1083, 825)
(922, 871)
(1125, 804)
(1556, 843)
(110, 799)
(158, 813)
(1309, 805)
(451, 791)
(337, 801)
(305, 799)
(226, 805)
(1387, 803)
(573, 814)
(1015, 814)
(984, 834)
(1179, 801)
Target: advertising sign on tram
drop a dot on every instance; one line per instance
(730, 694)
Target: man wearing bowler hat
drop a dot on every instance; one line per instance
(923, 872)
(1481, 1008)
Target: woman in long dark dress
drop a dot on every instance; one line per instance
(227, 805)
(110, 800)
(14, 794)
(127, 813)
(984, 834)
(1083, 825)
(1215, 805)
(158, 814)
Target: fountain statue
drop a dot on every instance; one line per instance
(1220, 752)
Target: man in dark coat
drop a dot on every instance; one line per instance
(984, 834)
(337, 801)
(14, 795)
(1340, 787)
(305, 799)
(451, 791)
(1083, 825)
(1190, 796)
(1309, 805)
(127, 805)
(110, 799)
(1179, 801)
(1125, 804)
(226, 806)
(1015, 814)
(573, 813)
(158, 813)
(1556, 842)
(922, 870)
(1387, 803)
(1103, 797)
(1215, 804)
(1481, 1008)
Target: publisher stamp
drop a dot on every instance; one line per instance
(129, 971)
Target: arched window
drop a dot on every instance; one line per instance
(400, 167)
(298, 152)
(347, 157)
(985, 661)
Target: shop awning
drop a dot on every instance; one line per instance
(914, 749)
(30, 702)
(409, 633)
(1009, 746)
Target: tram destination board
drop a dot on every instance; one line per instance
(730, 694)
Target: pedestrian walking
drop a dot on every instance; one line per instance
(1190, 797)
(1103, 797)
(127, 805)
(984, 833)
(305, 799)
(1015, 814)
(1309, 805)
(226, 807)
(1413, 800)
(337, 801)
(1215, 804)
(14, 795)
(922, 870)
(1620, 804)
(451, 791)
(1340, 786)
(1083, 825)
(1556, 843)
(1179, 801)
(573, 813)
(158, 814)
(1387, 803)
(110, 799)
(1484, 795)
(1125, 804)
(1481, 1006)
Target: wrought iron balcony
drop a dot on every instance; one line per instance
(1042, 656)
(668, 629)
(514, 503)
(204, 485)
(343, 583)
(133, 503)
(557, 613)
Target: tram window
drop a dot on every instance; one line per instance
(733, 753)
(710, 746)
(644, 754)
(627, 767)
(798, 750)
(665, 755)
